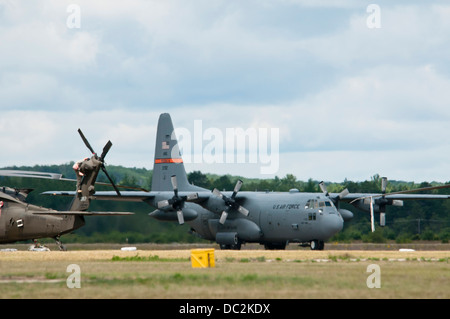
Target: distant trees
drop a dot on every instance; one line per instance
(417, 220)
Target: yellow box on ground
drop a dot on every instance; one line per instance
(202, 258)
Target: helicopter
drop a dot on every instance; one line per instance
(21, 221)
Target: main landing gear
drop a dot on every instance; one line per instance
(317, 244)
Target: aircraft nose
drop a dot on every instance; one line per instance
(333, 224)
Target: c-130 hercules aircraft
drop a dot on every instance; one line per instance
(273, 219)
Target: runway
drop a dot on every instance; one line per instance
(159, 272)
(280, 255)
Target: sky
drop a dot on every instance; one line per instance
(328, 90)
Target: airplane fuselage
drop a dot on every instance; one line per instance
(274, 219)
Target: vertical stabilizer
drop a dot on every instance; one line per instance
(168, 159)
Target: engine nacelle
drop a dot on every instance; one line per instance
(228, 238)
(379, 204)
(346, 214)
(247, 230)
(168, 215)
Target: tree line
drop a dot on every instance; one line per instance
(416, 220)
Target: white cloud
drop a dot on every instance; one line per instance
(344, 97)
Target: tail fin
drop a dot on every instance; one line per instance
(168, 161)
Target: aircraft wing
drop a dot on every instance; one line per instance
(133, 196)
(356, 196)
(73, 212)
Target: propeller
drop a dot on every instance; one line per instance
(106, 149)
(177, 202)
(335, 200)
(230, 202)
(382, 203)
(371, 201)
(372, 219)
(383, 185)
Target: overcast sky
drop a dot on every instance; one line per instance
(352, 89)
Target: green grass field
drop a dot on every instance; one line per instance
(244, 274)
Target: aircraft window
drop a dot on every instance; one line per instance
(321, 206)
(312, 204)
(328, 204)
(308, 204)
(312, 216)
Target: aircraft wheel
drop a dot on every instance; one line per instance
(317, 244)
(321, 244)
(237, 246)
(231, 247)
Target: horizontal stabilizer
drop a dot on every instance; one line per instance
(58, 177)
(130, 196)
(44, 175)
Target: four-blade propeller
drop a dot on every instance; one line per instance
(335, 200)
(231, 202)
(106, 149)
(177, 202)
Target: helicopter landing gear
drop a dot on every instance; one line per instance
(60, 244)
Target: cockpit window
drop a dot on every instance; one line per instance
(311, 204)
(314, 204)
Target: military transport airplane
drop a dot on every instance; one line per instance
(273, 219)
(20, 220)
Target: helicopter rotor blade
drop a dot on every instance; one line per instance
(110, 179)
(105, 150)
(86, 141)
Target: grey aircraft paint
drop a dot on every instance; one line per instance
(232, 218)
